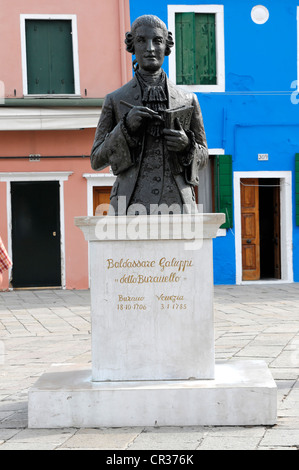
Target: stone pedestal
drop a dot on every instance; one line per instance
(242, 393)
(152, 297)
(153, 335)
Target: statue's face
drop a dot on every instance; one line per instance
(150, 47)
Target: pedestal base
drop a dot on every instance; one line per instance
(242, 393)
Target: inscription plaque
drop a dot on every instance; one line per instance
(152, 310)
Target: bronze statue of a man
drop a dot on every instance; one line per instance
(156, 166)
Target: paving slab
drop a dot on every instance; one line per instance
(169, 438)
(229, 443)
(42, 327)
(103, 438)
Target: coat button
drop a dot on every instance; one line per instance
(155, 191)
(136, 97)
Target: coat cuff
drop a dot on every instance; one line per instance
(120, 155)
(131, 141)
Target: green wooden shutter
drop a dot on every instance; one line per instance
(195, 49)
(297, 186)
(205, 49)
(185, 48)
(49, 52)
(62, 70)
(37, 57)
(223, 188)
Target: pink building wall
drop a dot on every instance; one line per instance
(3, 228)
(104, 66)
(75, 192)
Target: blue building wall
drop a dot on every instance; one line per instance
(255, 114)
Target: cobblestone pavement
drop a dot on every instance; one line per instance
(42, 327)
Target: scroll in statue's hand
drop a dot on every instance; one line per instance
(176, 139)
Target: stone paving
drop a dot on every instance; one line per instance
(39, 328)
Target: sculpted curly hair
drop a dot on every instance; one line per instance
(149, 20)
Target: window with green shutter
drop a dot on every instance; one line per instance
(49, 55)
(223, 187)
(297, 186)
(195, 49)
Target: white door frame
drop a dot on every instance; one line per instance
(218, 10)
(73, 19)
(59, 176)
(286, 224)
(93, 180)
(96, 179)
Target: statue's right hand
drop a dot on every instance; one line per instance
(136, 117)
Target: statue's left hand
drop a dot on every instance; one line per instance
(176, 139)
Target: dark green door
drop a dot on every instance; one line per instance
(49, 50)
(36, 234)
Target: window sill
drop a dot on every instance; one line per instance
(203, 88)
(56, 95)
(48, 116)
(39, 101)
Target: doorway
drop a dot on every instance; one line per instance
(270, 238)
(36, 235)
(260, 228)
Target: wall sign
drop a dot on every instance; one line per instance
(260, 14)
(263, 157)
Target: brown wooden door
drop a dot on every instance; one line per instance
(250, 229)
(101, 200)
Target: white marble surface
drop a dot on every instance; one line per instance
(153, 364)
(152, 227)
(243, 393)
(152, 300)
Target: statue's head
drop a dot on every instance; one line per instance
(150, 41)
